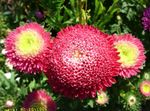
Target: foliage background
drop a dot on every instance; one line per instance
(110, 16)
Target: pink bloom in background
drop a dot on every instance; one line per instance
(39, 100)
(39, 14)
(146, 19)
(131, 53)
(145, 88)
(28, 48)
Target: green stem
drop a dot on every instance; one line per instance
(80, 11)
(131, 84)
(86, 9)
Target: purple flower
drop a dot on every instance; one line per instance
(146, 19)
(39, 14)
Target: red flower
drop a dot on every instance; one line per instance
(131, 52)
(28, 48)
(39, 100)
(83, 61)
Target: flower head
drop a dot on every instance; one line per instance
(131, 101)
(39, 99)
(102, 98)
(131, 53)
(27, 48)
(146, 19)
(83, 61)
(145, 88)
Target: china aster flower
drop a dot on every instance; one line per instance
(131, 53)
(39, 100)
(145, 88)
(28, 48)
(131, 101)
(83, 61)
(102, 98)
(146, 19)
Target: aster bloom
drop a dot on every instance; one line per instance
(27, 48)
(83, 61)
(39, 100)
(102, 98)
(146, 19)
(131, 53)
(145, 88)
(131, 101)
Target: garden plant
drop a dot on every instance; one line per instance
(74, 55)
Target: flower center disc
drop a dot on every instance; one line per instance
(77, 54)
(29, 43)
(128, 53)
(146, 88)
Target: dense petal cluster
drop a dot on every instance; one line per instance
(131, 53)
(28, 48)
(83, 61)
(39, 100)
(146, 19)
(145, 88)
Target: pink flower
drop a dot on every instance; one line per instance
(39, 100)
(131, 53)
(28, 48)
(145, 88)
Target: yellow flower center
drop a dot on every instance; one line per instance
(29, 43)
(77, 54)
(146, 88)
(128, 53)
